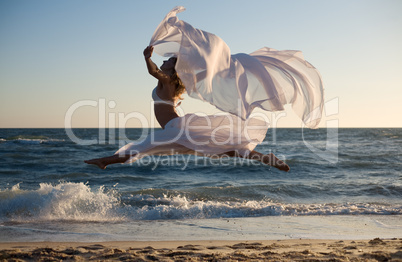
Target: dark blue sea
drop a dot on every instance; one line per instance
(342, 183)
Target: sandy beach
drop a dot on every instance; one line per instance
(272, 250)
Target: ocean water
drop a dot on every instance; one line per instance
(343, 183)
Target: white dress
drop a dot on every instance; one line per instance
(238, 83)
(199, 134)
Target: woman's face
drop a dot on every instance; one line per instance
(168, 64)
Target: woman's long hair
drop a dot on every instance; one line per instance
(175, 79)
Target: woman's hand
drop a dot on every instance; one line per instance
(148, 51)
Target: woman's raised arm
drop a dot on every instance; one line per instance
(153, 69)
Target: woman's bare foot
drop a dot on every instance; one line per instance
(280, 164)
(98, 162)
(105, 161)
(272, 160)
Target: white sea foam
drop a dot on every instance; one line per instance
(180, 207)
(29, 139)
(35, 140)
(78, 202)
(64, 201)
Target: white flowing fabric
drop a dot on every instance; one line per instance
(196, 134)
(238, 83)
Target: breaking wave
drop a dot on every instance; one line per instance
(79, 202)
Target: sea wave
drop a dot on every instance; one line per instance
(78, 202)
(64, 201)
(26, 139)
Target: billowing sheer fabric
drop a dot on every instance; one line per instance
(200, 135)
(238, 83)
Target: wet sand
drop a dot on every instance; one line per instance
(267, 250)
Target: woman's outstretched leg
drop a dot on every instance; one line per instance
(105, 161)
(165, 149)
(269, 159)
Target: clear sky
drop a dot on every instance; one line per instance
(55, 55)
